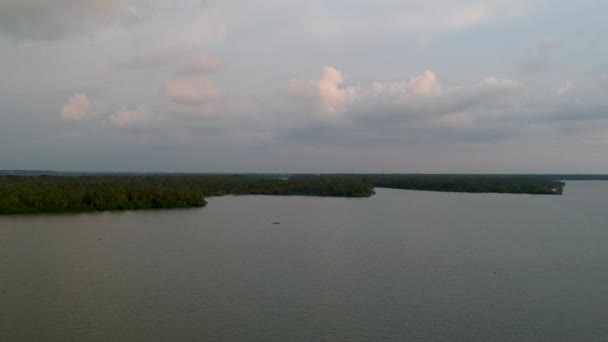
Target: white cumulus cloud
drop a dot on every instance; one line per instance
(77, 108)
(421, 98)
(327, 90)
(334, 99)
(425, 85)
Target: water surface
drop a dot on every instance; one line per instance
(401, 266)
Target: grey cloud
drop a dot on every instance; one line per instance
(125, 117)
(378, 135)
(542, 58)
(580, 112)
(187, 60)
(160, 96)
(412, 20)
(155, 59)
(400, 112)
(77, 108)
(204, 64)
(44, 19)
(192, 92)
(420, 98)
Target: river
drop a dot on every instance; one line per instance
(400, 266)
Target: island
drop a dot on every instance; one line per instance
(74, 192)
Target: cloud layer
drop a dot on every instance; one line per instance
(382, 82)
(40, 19)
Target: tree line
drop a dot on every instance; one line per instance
(35, 194)
(43, 193)
(515, 184)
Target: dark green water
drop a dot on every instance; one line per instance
(401, 266)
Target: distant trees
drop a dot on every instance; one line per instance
(517, 184)
(474, 183)
(23, 194)
(57, 194)
(33, 194)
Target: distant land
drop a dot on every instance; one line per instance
(37, 193)
(34, 191)
(552, 176)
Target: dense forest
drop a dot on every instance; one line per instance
(34, 194)
(61, 193)
(495, 184)
(515, 184)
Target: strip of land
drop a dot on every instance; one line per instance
(45, 194)
(511, 184)
(40, 193)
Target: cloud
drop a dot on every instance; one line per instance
(404, 110)
(421, 95)
(425, 85)
(44, 19)
(469, 16)
(192, 92)
(542, 57)
(211, 24)
(327, 90)
(301, 88)
(411, 20)
(172, 55)
(205, 64)
(154, 59)
(564, 88)
(184, 87)
(77, 108)
(423, 99)
(126, 117)
(458, 120)
(498, 83)
(334, 99)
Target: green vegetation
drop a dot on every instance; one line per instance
(36, 194)
(62, 194)
(81, 192)
(496, 184)
(515, 184)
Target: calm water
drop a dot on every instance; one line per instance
(401, 266)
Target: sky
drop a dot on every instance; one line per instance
(434, 86)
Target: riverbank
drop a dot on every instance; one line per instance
(52, 194)
(82, 193)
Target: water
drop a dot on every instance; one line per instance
(401, 266)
